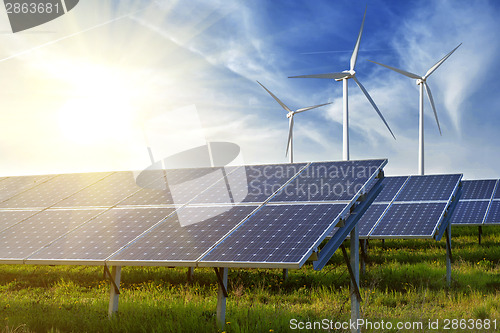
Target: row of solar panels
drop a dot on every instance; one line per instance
(251, 216)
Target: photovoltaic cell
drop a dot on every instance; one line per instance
(428, 188)
(494, 213)
(98, 239)
(184, 236)
(55, 189)
(390, 187)
(39, 230)
(477, 189)
(410, 220)
(329, 181)
(469, 212)
(253, 183)
(370, 218)
(497, 193)
(277, 234)
(14, 185)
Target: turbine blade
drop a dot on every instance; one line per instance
(373, 104)
(290, 129)
(276, 98)
(400, 71)
(354, 56)
(335, 76)
(433, 68)
(429, 94)
(311, 107)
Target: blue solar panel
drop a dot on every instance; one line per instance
(329, 181)
(99, 238)
(469, 212)
(390, 187)
(497, 193)
(410, 220)
(494, 213)
(477, 189)
(277, 234)
(185, 236)
(370, 218)
(254, 183)
(429, 188)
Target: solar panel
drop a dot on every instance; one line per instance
(493, 213)
(429, 188)
(338, 181)
(101, 237)
(105, 193)
(277, 234)
(32, 234)
(497, 193)
(410, 220)
(15, 185)
(390, 187)
(469, 212)
(184, 236)
(477, 189)
(254, 183)
(370, 218)
(416, 206)
(55, 189)
(10, 217)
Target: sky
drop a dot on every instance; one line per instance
(94, 88)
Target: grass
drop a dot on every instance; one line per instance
(404, 282)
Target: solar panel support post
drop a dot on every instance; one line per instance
(448, 254)
(190, 273)
(285, 274)
(363, 245)
(479, 234)
(221, 296)
(115, 276)
(354, 264)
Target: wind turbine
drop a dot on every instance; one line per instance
(344, 76)
(290, 115)
(422, 81)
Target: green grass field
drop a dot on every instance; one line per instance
(404, 282)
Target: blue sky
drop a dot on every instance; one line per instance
(95, 100)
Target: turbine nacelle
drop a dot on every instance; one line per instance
(290, 114)
(349, 74)
(420, 81)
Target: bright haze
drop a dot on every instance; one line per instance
(80, 93)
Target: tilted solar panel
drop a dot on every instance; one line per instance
(9, 218)
(53, 190)
(184, 236)
(276, 234)
(30, 235)
(370, 218)
(429, 188)
(493, 216)
(497, 192)
(14, 185)
(99, 238)
(410, 220)
(469, 212)
(477, 189)
(390, 187)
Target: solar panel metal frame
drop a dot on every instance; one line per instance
(436, 234)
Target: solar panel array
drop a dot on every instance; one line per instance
(409, 207)
(248, 216)
(479, 203)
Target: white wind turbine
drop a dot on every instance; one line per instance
(344, 76)
(421, 81)
(290, 115)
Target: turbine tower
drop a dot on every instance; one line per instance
(422, 81)
(344, 76)
(290, 115)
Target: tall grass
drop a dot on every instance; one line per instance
(404, 281)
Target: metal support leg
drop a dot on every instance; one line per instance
(190, 273)
(448, 254)
(354, 271)
(480, 233)
(285, 274)
(362, 246)
(115, 276)
(221, 296)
